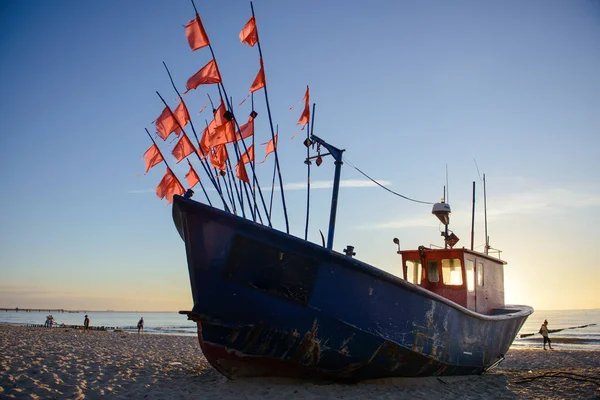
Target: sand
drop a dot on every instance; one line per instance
(65, 363)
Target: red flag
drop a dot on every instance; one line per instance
(240, 172)
(175, 188)
(164, 184)
(152, 157)
(218, 119)
(166, 123)
(192, 177)
(223, 134)
(306, 113)
(183, 148)
(207, 75)
(204, 144)
(218, 157)
(220, 130)
(271, 145)
(259, 81)
(169, 186)
(196, 35)
(247, 129)
(248, 155)
(249, 34)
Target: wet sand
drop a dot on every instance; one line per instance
(66, 363)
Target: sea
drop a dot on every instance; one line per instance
(570, 335)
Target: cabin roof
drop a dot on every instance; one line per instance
(459, 250)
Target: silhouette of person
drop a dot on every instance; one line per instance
(86, 323)
(140, 325)
(544, 332)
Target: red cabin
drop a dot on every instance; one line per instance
(469, 278)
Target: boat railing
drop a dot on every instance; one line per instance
(494, 252)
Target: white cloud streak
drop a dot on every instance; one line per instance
(543, 201)
(349, 183)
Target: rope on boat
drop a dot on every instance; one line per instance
(380, 185)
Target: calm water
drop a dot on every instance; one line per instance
(176, 324)
(582, 338)
(159, 323)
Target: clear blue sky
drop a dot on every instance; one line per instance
(405, 87)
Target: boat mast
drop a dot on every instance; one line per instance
(487, 238)
(337, 155)
(309, 130)
(473, 218)
(447, 222)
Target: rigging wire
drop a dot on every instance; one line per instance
(380, 185)
(477, 166)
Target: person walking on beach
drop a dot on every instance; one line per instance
(544, 332)
(140, 325)
(86, 323)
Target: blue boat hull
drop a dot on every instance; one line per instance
(270, 304)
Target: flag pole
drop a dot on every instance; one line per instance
(202, 186)
(287, 225)
(274, 172)
(254, 160)
(230, 108)
(238, 152)
(237, 155)
(241, 199)
(231, 198)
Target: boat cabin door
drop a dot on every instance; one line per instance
(476, 296)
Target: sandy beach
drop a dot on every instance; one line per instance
(66, 363)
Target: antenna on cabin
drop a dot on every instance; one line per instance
(487, 238)
(442, 212)
(447, 198)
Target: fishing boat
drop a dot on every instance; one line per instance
(268, 303)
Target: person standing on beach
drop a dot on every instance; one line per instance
(141, 325)
(544, 332)
(86, 323)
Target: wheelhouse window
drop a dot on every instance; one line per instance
(470, 270)
(452, 272)
(432, 271)
(413, 272)
(479, 273)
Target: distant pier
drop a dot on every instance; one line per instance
(55, 310)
